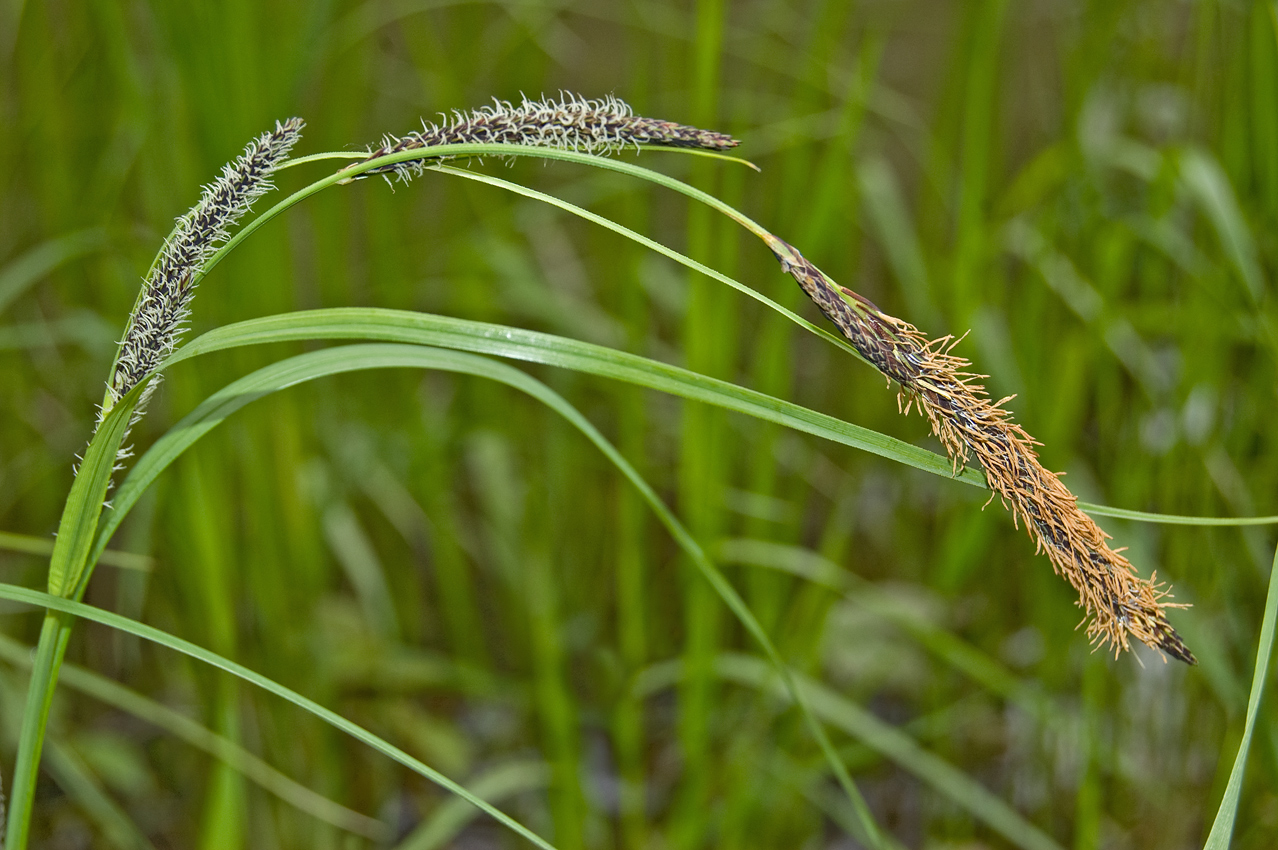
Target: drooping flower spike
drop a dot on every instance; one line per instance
(1119, 604)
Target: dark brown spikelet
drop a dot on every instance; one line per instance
(1119, 604)
(573, 123)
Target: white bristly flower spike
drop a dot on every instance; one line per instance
(575, 123)
(159, 317)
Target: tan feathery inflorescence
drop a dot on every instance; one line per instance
(159, 317)
(606, 125)
(1118, 603)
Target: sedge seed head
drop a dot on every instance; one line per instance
(1118, 603)
(159, 317)
(571, 122)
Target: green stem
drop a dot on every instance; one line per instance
(67, 577)
(54, 635)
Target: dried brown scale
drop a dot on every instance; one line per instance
(1119, 604)
(571, 123)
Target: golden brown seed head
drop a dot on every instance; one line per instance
(1119, 604)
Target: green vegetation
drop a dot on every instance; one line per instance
(537, 484)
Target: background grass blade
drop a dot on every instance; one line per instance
(994, 676)
(882, 737)
(1222, 828)
(494, 785)
(21, 273)
(40, 546)
(81, 785)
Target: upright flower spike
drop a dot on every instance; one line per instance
(159, 317)
(1119, 604)
(572, 123)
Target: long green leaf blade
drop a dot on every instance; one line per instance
(115, 621)
(373, 323)
(184, 728)
(1222, 828)
(345, 359)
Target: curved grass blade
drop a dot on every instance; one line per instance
(180, 726)
(373, 323)
(682, 259)
(81, 785)
(498, 783)
(87, 497)
(68, 608)
(1222, 828)
(351, 358)
(1176, 519)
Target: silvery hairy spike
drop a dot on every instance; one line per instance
(159, 317)
(572, 122)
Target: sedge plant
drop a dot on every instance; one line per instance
(1118, 603)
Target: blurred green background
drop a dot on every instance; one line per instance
(1091, 188)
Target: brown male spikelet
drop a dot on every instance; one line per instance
(572, 123)
(1119, 604)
